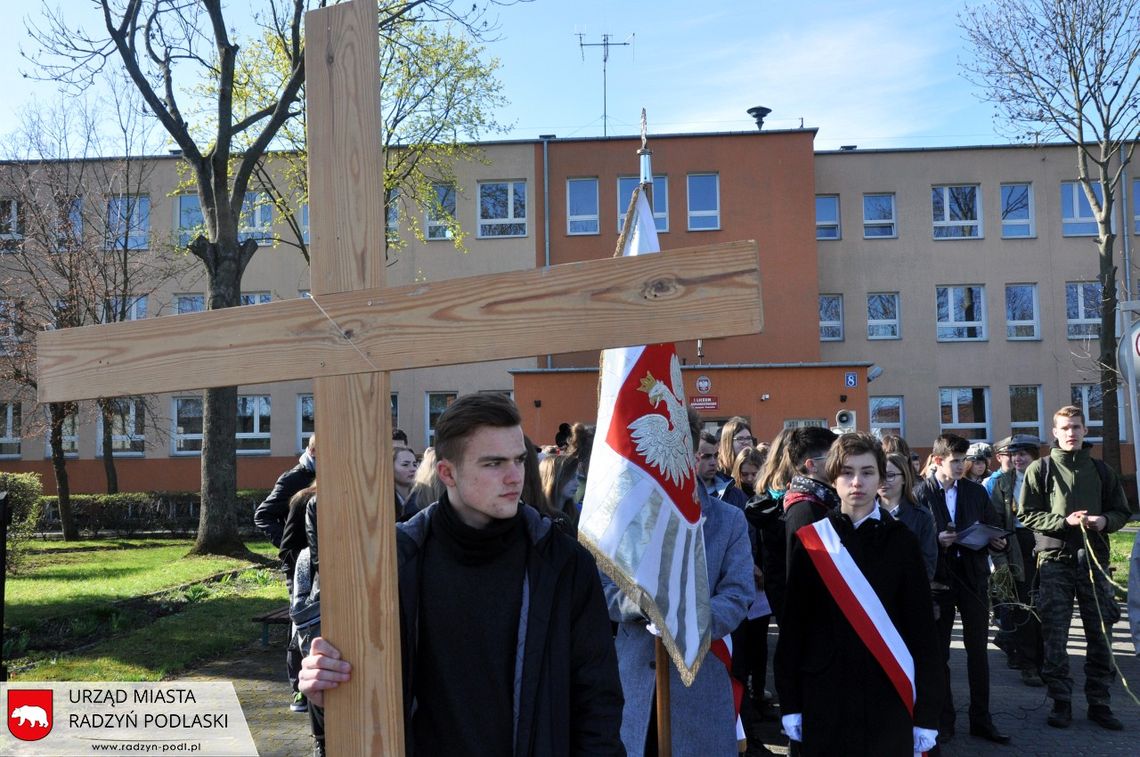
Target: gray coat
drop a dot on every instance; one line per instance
(704, 719)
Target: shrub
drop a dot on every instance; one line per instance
(131, 513)
(25, 495)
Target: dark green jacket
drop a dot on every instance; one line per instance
(1074, 484)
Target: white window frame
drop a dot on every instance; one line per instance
(822, 230)
(891, 224)
(949, 224)
(1083, 318)
(1029, 224)
(136, 309)
(176, 436)
(957, 426)
(488, 225)
(1035, 323)
(256, 298)
(1082, 401)
(588, 223)
(11, 329)
(303, 435)
(183, 303)
(256, 435)
(391, 216)
(11, 421)
(831, 323)
(70, 435)
(1076, 196)
(887, 428)
(438, 227)
(1135, 207)
(704, 213)
(1034, 428)
(135, 408)
(11, 220)
(891, 323)
(129, 232)
(660, 202)
(256, 220)
(305, 222)
(429, 429)
(953, 291)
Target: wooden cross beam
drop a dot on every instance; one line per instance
(354, 331)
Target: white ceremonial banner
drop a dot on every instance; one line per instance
(62, 719)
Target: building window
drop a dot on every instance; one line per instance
(190, 221)
(965, 411)
(436, 403)
(660, 204)
(704, 201)
(9, 429)
(1090, 399)
(392, 216)
(883, 315)
(1082, 309)
(1135, 207)
(128, 421)
(305, 222)
(1077, 219)
(582, 206)
(128, 222)
(879, 216)
(256, 220)
(187, 437)
(961, 313)
(69, 434)
(957, 211)
(831, 318)
(441, 214)
(1025, 410)
(253, 424)
(1017, 211)
(827, 217)
(1021, 314)
(117, 309)
(887, 415)
(256, 298)
(394, 402)
(190, 303)
(11, 325)
(11, 221)
(502, 209)
(306, 420)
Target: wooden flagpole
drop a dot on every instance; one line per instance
(664, 726)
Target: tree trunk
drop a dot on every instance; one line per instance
(1109, 376)
(58, 412)
(217, 520)
(108, 449)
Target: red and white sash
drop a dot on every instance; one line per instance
(861, 606)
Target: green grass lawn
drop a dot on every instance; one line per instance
(1120, 544)
(131, 609)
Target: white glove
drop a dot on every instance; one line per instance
(924, 739)
(653, 629)
(793, 726)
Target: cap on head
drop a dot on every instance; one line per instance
(979, 451)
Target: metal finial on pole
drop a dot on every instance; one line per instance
(644, 130)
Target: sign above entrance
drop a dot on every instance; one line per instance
(705, 402)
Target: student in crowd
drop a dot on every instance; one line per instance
(835, 689)
(735, 435)
(896, 496)
(506, 643)
(404, 473)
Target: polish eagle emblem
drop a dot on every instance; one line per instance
(663, 441)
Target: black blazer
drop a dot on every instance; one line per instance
(973, 505)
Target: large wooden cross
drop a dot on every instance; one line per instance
(354, 331)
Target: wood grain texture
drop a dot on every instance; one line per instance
(356, 515)
(691, 293)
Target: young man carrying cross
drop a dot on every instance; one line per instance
(506, 641)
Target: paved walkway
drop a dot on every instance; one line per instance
(258, 675)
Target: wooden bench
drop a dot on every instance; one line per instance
(277, 617)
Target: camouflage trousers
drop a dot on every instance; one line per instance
(1060, 581)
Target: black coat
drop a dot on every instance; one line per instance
(270, 515)
(568, 691)
(970, 566)
(825, 671)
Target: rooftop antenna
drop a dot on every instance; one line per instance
(605, 44)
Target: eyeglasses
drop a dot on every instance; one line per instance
(749, 439)
(891, 477)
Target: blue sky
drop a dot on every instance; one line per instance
(882, 74)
